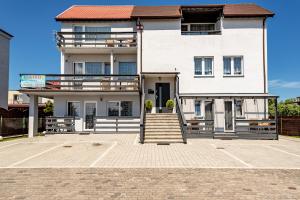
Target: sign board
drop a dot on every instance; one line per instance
(33, 81)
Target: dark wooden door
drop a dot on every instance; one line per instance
(162, 93)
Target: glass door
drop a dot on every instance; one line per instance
(78, 70)
(228, 116)
(90, 113)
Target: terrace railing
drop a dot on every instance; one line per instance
(200, 126)
(96, 39)
(60, 124)
(121, 124)
(71, 82)
(267, 126)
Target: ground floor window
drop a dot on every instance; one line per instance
(73, 109)
(239, 108)
(197, 108)
(119, 108)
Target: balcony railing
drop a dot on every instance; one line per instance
(71, 82)
(96, 39)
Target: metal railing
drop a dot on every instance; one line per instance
(96, 39)
(71, 82)
(182, 121)
(143, 113)
(200, 126)
(267, 126)
(60, 124)
(112, 124)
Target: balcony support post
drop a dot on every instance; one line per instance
(33, 116)
(112, 62)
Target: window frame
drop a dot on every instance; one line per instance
(201, 110)
(232, 71)
(203, 66)
(189, 27)
(79, 112)
(119, 108)
(84, 68)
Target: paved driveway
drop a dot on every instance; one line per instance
(124, 151)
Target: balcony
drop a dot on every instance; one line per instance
(66, 83)
(97, 42)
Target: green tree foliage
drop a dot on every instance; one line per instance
(49, 108)
(286, 108)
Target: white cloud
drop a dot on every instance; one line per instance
(284, 84)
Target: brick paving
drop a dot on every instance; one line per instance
(102, 183)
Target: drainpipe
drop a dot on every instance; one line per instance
(264, 68)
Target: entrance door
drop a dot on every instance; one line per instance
(228, 116)
(162, 95)
(90, 113)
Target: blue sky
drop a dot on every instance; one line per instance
(33, 48)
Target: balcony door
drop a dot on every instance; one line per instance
(90, 110)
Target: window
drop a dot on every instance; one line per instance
(203, 66)
(97, 29)
(198, 108)
(113, 108)
(107, 68)
(233, 66)
(202, 27)
(93, 68)
(73, 109)
(127, 68)
(184, 27)
(119, 108)
(239, 108)
(126, 108)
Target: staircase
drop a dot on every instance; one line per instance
(162, 128)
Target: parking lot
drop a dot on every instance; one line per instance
(124, 151)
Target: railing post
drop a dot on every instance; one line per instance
(117, 129)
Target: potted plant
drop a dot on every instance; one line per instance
(170, 105)
(148, 106)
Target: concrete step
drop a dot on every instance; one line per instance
(162, 118)
(163, 137)
(162, 123)
(163, 133)
(163, 141)
(163, 130)
(159, 126)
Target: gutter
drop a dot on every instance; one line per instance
(264, 56)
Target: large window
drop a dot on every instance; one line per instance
(93, 68)
(97, 29)
(203, 66)
(127, 68)
(233, 65)
(119, 108)
(198, 108)
(73, 109)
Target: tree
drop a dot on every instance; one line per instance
(285, 108)
(49, 108)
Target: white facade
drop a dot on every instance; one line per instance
(4, 67)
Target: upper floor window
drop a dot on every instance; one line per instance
(203, 66)
(233, 65)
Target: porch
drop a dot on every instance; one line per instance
(229, 116)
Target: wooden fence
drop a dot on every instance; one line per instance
(289, 126)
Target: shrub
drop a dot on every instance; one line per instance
(170, 104)
(148, 105)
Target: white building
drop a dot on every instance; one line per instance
(16, 97)
(211, 60)
(4, 66)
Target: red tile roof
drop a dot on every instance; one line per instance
(96, 12)
(129, 12)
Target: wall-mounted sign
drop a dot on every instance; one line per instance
(150, 91)
(33, 81)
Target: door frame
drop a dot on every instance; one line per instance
(156, 83)
(84, 112)
(233, 120)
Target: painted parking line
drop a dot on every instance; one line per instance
(9, 145)
(280, 150)
(35, 155)
(232, 156)
(104, 154)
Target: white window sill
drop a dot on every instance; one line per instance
(240, 75)
(204, 76)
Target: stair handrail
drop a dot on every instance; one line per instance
(142, 117)
(182, 121)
